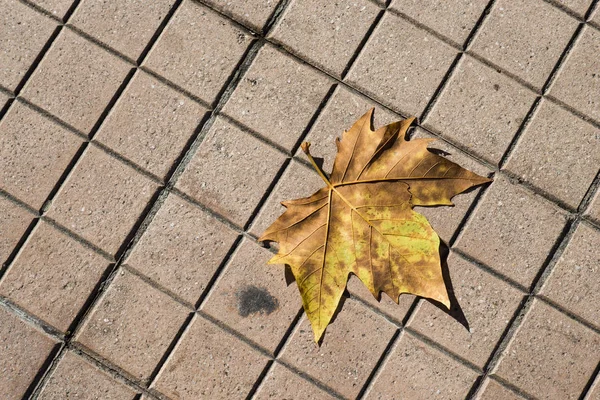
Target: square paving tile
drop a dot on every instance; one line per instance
(253, 298)
(401, 65)
(102, 199)
(23, 34)
(578, 81)
(23, 351)
(76, 80)
(182, 248)
(281, 383)
(579, 7)
(574, 280)
(3, 100)
(487, 303)
(53, 276)
(416, 371)
(547, 344)
(58, 8)
(151, 124)
(351, 347)
(454, 20)
(253, 13)
(343, 109)
(132, 325)
(278, 96)
(126, 26)
(209, 363)
(547, 29)
(338, 27)
(75, 377)
(593, 210)
(480, 109)
(198, 50)
(13, 224)
(556, 147)
(594, 392)
(492, 390)
(247, 164)
(34, 153)
(512, 231)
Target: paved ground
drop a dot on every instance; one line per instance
(145, 145)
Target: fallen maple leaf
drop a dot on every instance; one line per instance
(362, 222)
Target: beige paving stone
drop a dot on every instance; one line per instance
(23, 34)
(297, 181)
(209, 363)
(182, 248)
(594, 392)
(13, 224)
(351, 347)
(76, 378)
(23, 351)
(76, 80)
(253, 13)
(575, 279)
(102, 199)
(281, 383)
(512, 231)
(454, 20)
(253, 298)
(487, 303)
(593, 210)
(417, 371)
(277, 96)
(151, 124)
(596, 18)
(57, 8)
(547, 29)
(53, 276)
(548, 344)
(579, 7)
(401, 65)
(127, 26)
(480, 109)
(132, 325)
(338, 28)
(394, 311)
(34, 153)
(554, 148)
(3, 99)
(230, 171)
(492, 390)
(578, 81)
(198, 50)
(343, 109)
(445, 220)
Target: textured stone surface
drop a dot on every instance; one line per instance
(34, 153)
(512, 231)
(23, 34)
(53, 276)
(593, 210)
(132, 325)
(415, 370)
(277, 97)
(231, 171)
(547, 29)
(76, 80)
(127, 26)
(76, 378)
(554, 148)
(579, 7)
(338, 28)
(547, 344)
(281, 383)
(209, 363)
(253, 298)
(574, 280)
(253, 13)
(492, 390)
(198, 50)
(151, 124)
(401, 65)
(480, 109)
(578, 81)
(454, 20)
(488, 305)
(182, 248)
(102, 199)
(23, 350)
(58, 8)
(350, 348)
(13, 224)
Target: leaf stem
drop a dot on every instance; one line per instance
(306, 149)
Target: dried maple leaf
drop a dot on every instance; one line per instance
(362, 222)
